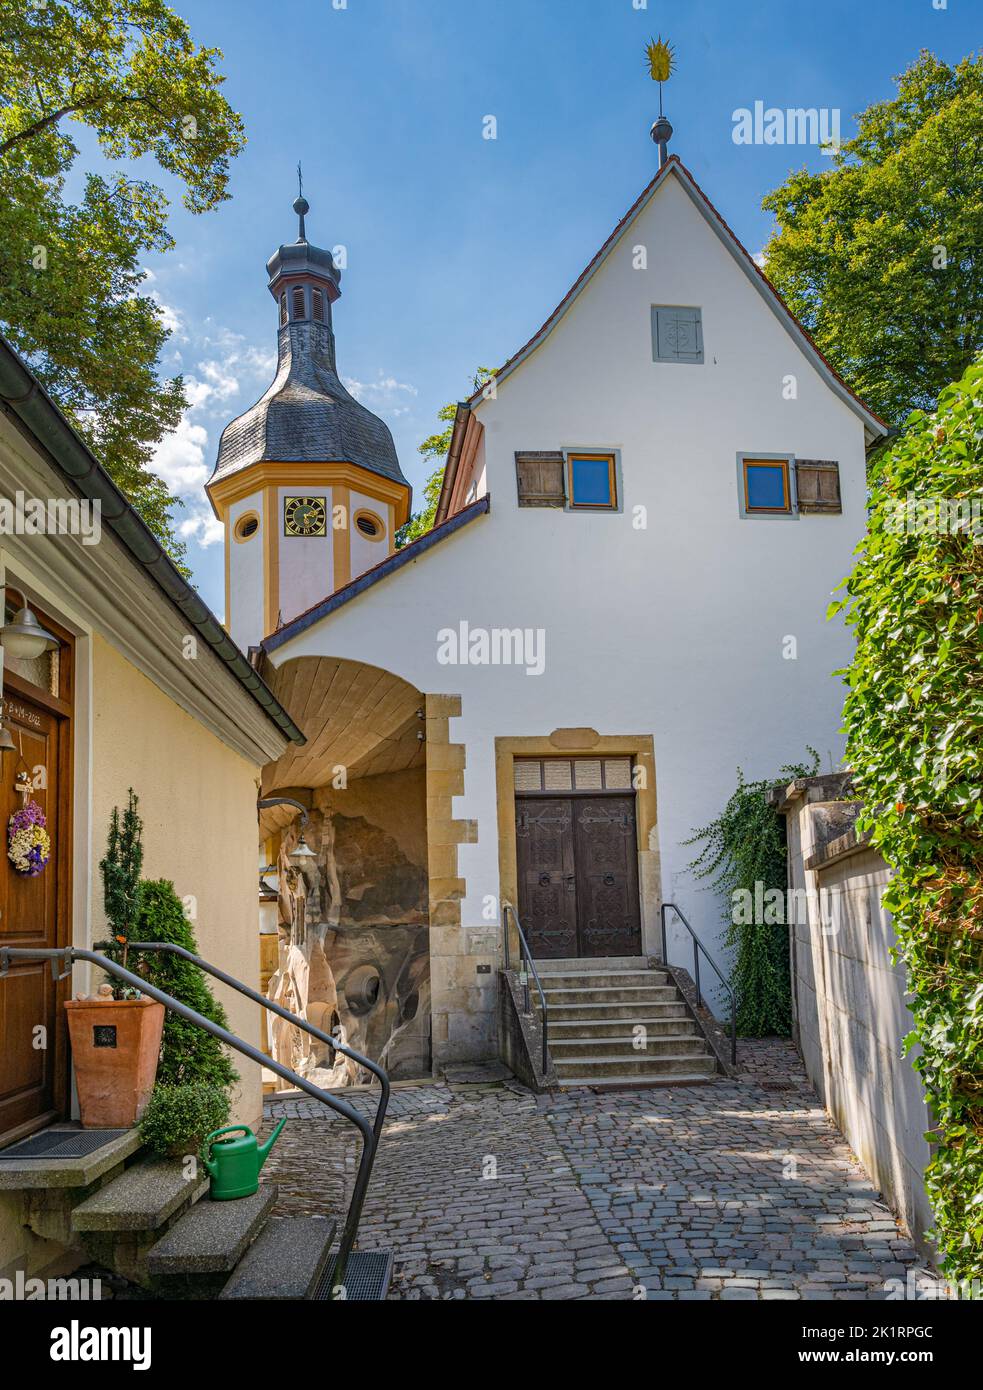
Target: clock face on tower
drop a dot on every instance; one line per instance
(304, 516)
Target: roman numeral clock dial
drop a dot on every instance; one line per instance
(304, 516)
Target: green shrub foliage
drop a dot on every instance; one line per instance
(178, 1118)
(188, 1053)
(121, 869)
(914, 718)
(745, 847)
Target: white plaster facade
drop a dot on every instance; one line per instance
(672, 616)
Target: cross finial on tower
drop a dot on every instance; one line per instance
(301, 206)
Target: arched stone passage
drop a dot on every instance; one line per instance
(354, 920)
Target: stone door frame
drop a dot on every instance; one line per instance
(574, 743)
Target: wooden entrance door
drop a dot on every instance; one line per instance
(34, 912)
(578, 875)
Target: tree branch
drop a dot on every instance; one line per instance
(53, 117)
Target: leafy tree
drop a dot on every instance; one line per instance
(433, 449)
(880, 256)
(744, 848)
(188, 1053)
(70, 278)
(914, 721)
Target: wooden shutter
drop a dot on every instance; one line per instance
(298, 303)
(817, 485)
(677, 334)
(539, 479)
(317, 305)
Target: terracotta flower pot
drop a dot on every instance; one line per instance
(115, 1046)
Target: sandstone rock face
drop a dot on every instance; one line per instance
(354, 960)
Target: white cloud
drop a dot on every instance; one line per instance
(204, 528)
(384, 391)
(220, 384)
(760, 259)
(232, 366)
(179, 458)
(171, 317)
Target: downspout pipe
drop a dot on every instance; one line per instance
(24, 397)
(461, 419)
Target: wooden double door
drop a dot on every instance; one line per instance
(35, 913)
(577, 860)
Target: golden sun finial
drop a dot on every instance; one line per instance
(661, 58)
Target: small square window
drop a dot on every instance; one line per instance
(591, 480)
(677, 334)
(766, 486)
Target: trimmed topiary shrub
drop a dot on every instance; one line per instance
(188, 1053)
(914, 719)
(178, 1118)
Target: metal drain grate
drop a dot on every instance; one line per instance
(62, 1143)
(366, 1277)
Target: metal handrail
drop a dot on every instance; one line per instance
(281, 1012)
(526, 955)
(370, 1138)
(698, 946)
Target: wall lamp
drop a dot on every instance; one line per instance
(23, 636)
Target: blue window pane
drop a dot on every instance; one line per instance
(591, 482)
(766, 486)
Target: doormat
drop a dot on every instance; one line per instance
(62, 1143)
(367, 1276)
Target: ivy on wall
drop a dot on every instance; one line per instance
(745, 854)
(914, 719)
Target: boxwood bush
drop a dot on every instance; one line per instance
(178, 1118)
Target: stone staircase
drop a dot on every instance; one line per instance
(597, 1009)
(149, 1220)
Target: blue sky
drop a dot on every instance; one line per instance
(458, 246)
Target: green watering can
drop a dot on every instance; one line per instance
(234, 1164)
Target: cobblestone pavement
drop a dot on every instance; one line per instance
(741, 1189)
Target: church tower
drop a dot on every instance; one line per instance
(307, 481)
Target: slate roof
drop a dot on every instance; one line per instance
(307, 416)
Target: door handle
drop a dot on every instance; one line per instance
(609, 879)
(544, 880)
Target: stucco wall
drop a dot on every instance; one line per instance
(198, 804)
(851, 1014)
(670, 621)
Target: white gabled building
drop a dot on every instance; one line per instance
(622, 602)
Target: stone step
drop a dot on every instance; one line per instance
(604, 1027)
(611, 994)
(594, 979)
(285, 1261)
(212, 1237)
(636, 1083)
(21, 1174)
(582, 1049)
(633, 1064)
(142, 1198)
(592, 963)
(588, 1013)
